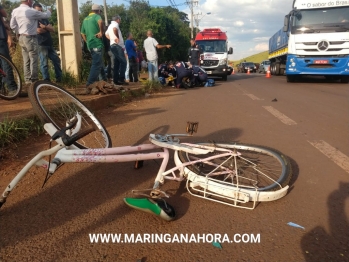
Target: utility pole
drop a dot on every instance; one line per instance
(198, 19)
(105, 12)
(191, 4)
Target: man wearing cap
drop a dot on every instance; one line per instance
(24, 20)
(92, 33)
(117, 47)
(150, 45)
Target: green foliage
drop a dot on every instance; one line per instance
(14, 130)
(152, 86)
(9, 6)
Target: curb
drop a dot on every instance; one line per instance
(9, 109)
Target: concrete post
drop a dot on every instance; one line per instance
(70, 44)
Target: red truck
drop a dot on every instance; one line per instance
(213, 43)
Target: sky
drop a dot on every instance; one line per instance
(249, 23)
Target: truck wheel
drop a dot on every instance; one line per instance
(344, 79)
(277, 69)
(272, 68)
(224, 78)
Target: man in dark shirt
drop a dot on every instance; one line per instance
(183, 70)
(46, 50)
(131, 49)
(194, 53)
(5, 43)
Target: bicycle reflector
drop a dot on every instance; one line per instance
(192, 127)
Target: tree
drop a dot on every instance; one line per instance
(9, 6)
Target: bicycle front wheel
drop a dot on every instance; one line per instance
(55, 105)
(10, 79)
(256, 168)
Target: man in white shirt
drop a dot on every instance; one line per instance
(150, 45)
(117, 47)
(24, 20)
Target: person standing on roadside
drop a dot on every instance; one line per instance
(194, 53)
(150, 45)
(131, 49)
(117, 47)
(92, 33)
(24, 20)
(46, 50)
(5, 44)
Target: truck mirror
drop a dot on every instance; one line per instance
(230, 50)
(286, 19)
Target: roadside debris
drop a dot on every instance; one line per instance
(100, 87)
(295, 225)
(274, 100)
(216, 244)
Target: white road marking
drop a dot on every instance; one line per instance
(332, 153)
(253, 97)
(284, 119)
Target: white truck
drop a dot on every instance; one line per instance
(313, 41)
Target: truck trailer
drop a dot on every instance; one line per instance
(213, 44)
(313, 41)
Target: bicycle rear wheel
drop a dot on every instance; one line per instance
(55, 105)
(10, 79)
(258, 167)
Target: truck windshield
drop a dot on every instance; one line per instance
(319, 20)
(213, 45)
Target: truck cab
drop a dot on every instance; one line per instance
(213, 44)
(318, 40)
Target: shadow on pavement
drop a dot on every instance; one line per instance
(317, 244)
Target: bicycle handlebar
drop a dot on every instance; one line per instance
(69, 140)
(61, 132)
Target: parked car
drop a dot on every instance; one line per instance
(243, 67)
(263, 68)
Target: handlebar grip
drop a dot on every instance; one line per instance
(70, 140)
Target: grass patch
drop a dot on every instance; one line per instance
(151, 86)
(14, 130)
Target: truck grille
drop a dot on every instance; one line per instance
(328, 50)
(210, 63)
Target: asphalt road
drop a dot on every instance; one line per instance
(309, 123)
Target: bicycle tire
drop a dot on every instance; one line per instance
(249, 153)
(56, 105)
(4, 85)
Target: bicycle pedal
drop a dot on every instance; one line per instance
(192, 127)
(138, 164)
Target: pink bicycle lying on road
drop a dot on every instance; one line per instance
(234, 174)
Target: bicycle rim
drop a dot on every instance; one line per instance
(257, 167)
(10, 79)
(55, 105)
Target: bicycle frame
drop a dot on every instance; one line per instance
(71, 154)
(196, 183)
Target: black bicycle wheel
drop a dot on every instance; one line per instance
(10, 79)
(56, 105)
(258, 167)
